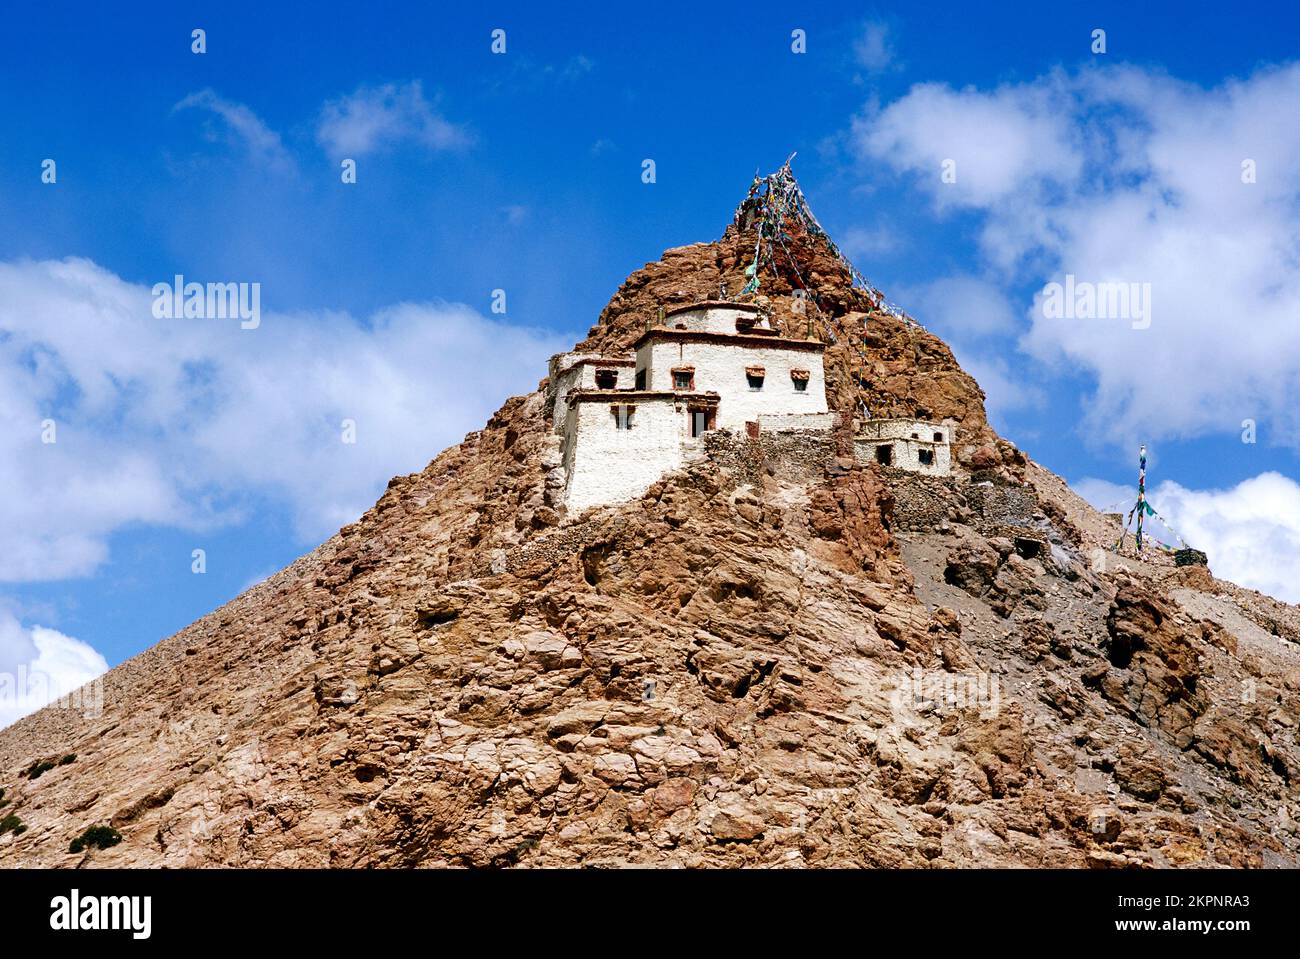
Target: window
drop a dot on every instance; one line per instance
(800, 380)
(640, 378)
(684, 378)
(938, 437)
(606, 379)
(916, 436)
(703, 419)
(926, 457)
(885, 454)
(755, 374)
(623, 415)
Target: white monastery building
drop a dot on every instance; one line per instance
(626, 421)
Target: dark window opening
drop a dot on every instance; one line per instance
(926, 457)
(606, 379)
(1028, 548)
(801, 386)
(754, 374)
(702, 420)
(640, 378)
(623, 416)
(938, 437)
(916, 436)
(800, 380)
(885, 455)
(684, 379)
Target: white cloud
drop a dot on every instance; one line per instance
(192, 423)
(1119, 174)
(1001, 142)
(963, 307)
(38, 665)
(263, 143)
(874, 47)
(373, 118)
(1251, 532)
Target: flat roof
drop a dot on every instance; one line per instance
(743, 339)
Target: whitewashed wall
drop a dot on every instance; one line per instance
(609, 465)
(713, 319)
(720, 367)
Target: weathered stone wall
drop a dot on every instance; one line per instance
(921, 503)
(1005, 505)
(795, 455)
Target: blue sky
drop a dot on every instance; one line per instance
(521, 171)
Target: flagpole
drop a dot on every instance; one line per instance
(1142, 492)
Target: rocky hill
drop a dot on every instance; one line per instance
(775, 657)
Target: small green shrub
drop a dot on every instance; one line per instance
(97, 837)
(35, 770)
(69, 758)
(12, 823)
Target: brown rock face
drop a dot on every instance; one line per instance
(768, 659)
(1156, 670)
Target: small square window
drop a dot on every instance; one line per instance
(938, 437)
(800, 380)
(754, 375)
(606, 379)
(684, 378)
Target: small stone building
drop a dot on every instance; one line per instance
(627, 421)
(913, 445)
